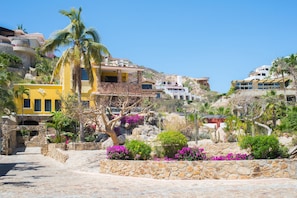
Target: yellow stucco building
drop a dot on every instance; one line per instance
(117, 77)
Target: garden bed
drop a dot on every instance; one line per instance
(205, 169)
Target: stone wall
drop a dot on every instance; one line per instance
(8, 136)
(59, 151)
(192, 170)
(81, 146)
(53, 151)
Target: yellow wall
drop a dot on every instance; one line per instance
(54, 92)
(38, 91)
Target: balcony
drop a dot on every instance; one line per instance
(106, 88)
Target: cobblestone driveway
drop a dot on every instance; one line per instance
(29, 174)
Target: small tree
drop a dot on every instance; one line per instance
(103, 116)
(19, 93)
(59, 122)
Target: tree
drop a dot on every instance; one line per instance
(21, 27)
(84, 47)
(19, 93)
(206, 108)
(103, 116)
(292, 69)
(275, 108)
(6, 79)
(280, 67)
(59, 122)
(289, 122)
(44, 66)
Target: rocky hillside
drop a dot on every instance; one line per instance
(191, 83)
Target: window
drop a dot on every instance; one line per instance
(84, 74)
(57, 105)
(147, 86)
(86, 104)
(37, 105)
(48, 105)
(110, 79)
(26, 103)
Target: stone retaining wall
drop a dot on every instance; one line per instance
(80, 146)
(59, 153)
(51, 150)
(239, 169)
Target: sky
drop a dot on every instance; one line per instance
(221, 39)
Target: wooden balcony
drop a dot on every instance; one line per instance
(122, 89)
(107, 88)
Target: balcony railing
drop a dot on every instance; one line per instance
(119, 89)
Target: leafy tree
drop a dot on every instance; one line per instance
(206, 108)
(59, 122)
(9, 60)
(84, 46)
(234, 123)
(289, 122)
(44, 66)
(275, 108)
(280, 67)
(7, 77)
(291, 62)
(223, 111)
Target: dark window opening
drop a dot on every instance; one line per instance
(37, 105)
(26, 103)
(57, 105)
(86, 104)
(84, 74)
(147, 86)
(110, 79)
(48, 105)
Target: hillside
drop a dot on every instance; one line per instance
(190, 82)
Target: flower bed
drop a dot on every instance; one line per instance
(192, 163)
(233, 169)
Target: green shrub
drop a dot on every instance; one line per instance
(171, 142)
(138, 150)
(294, 141)
(263, 147)
(90, 138)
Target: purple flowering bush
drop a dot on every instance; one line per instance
(117, 152)
(195, 153)
(132, 120)
(232, 156)
(190, 154)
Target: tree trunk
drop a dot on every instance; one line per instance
(81, 124)
(113, 136)
(269, 130)
(284, 84)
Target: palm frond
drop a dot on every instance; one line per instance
(93, 33)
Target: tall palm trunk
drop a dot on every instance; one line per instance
(22, 103)
(285, 95)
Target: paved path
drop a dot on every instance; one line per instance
(29, 174)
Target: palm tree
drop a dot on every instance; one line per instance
(6, 97)
(280, 67)
(44, 66)
(21, 27)
(19, 93)
(292, 69)
(84, 46)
